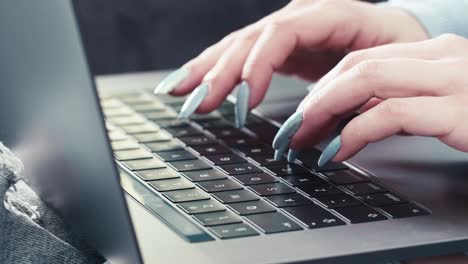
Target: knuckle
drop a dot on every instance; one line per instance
(449, 37)
(276, 25)
(246, 35)
(352, 59)
(392, 108)
(366, 69)
(451, 42)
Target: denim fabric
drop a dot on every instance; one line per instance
(31, 232)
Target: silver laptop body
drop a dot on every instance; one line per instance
(50, 116)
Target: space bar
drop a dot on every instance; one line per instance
(161, 209)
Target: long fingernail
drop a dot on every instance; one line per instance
(292, 155)
(242, 104)
(279, 152)
(172, 81)
(194, 100)
(287, 130)
(330, 151)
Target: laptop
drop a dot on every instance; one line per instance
(142, 186)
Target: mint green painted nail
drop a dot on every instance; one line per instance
(242, 104)
(172, 81)
(287, 130)
(330, 151)
(279, 152)
(292, 155)
(193, 101)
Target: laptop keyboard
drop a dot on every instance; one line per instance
(226, 179)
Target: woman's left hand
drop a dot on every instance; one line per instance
(416, 88)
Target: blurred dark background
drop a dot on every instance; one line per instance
(142, 35)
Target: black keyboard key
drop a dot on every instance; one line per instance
(265, 132)
(160, 115)
(157, 174)
(313, 216)
(300, 180)
(336, 201)
(110, 103)
(226, 132)
(214, 123)
(171, 184)
(197, 140)
(186, 195)
(176, 155)
(233, 231)
(344, 177)
(272, 189)
(236, 141)
(287, 169)
(360, 214)
(211, 150)
(135, 98)
(286, 200)
(404, 210)
(226, 110)
(320, 190)
(132, 154)
(256, 178)
(224, 159)
(204, 175)
(310, 159)
(382, 199)
(184, 131)
(236, 169)
(117, 136)
(220, 185)
(124, 145)
(255, 207)
(127, 120)
(204, 206)
(215, 115)
(144, 164)
(268, 160)
(150, 107)
(235, 196)
(273, 223)
(364, 188)
(172, 123)
(144, 128)
(218, 218)
(189, 165)
(164, 146)
(152, 137)
(255, 150)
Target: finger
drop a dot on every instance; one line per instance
(278, 41)
(381, 79)
(432, 49)
(199, 66)
(393, 116)
(224, 76)
(369, 105)
(203, 63)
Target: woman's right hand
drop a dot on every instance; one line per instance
(306, 38)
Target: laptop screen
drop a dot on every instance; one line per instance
(50, 117)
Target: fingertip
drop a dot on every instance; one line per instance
(211, 102)
(259, 83)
